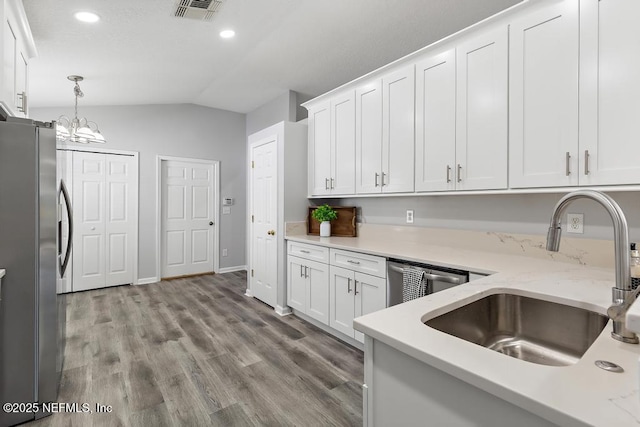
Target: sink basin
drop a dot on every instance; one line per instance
(526, 328)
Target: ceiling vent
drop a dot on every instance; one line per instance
(201, 10)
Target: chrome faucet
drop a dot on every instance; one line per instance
(623, 294)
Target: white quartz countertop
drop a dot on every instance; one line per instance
(575, 395)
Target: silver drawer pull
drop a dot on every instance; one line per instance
(567, 164)
(353, 262)
(304, 251)
(586, 162)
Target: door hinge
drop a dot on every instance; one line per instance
(253, 164)
(252, 272)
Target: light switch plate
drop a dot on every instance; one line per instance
(575, 223)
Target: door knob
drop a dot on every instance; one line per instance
(271, 232)
(210, 222)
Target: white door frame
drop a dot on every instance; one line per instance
(215, 208)
(135, 197)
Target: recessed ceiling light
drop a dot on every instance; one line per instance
(227, 34)
(87, 17)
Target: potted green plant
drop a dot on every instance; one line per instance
(324, 214)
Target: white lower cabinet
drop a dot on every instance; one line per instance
(308, 286)
(353, 294)
(329, 285)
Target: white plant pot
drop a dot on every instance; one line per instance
(325, 229)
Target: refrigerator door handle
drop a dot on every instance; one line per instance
(67, 202)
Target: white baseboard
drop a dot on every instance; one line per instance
(283, 311)
(147, 280)
(232, 269)
(248, 293)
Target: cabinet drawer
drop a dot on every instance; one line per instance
(312, 252)
(369, 264)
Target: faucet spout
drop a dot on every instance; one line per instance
(622, 295)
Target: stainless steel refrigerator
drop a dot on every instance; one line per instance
(30, 357)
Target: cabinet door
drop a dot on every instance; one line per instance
(370, 294)
(369, 137)
(9, 67)
(21, 85)
(317, 303)
(343, 144)
(435, 122)
(543, 107)
(296, 284)
(610, 92)
(481, 143)
(341, 308)
(319, 148)
(398, 126)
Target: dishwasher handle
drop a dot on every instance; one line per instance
(431, 276)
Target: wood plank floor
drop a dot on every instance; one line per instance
(197, 352)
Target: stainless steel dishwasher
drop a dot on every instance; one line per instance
(438, 278)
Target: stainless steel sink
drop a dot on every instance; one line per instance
(526, 328)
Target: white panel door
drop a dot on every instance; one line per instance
(89, 219)
(320, 148)
(610, 92)
(481, 141)
(264, 199)
(317, 305)
(120, 186)
(343, 144)
(369, 138)
(341, 308)
(297, 283)
(370, 295)
(398, 131)
(187, 218)
(436, 122)
(543, 97)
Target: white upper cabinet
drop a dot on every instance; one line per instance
(398, 126)
(369, 137)
(332, 146)
(319, 148)
(385, 118)
(482, 119)
(343, 144)
(436, 122)
(17, 48)
(543, 135)
(609, 92)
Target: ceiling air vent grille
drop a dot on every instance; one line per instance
(201, 10)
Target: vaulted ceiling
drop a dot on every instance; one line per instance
(139, 53)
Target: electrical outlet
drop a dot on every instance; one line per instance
(224, 252)
(409, 216)
(575, 223)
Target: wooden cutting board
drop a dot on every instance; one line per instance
(343, 226)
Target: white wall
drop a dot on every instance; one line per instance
(522, 213)
(183, 130)
(286, 107)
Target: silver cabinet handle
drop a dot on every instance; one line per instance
(382, 182)
(348, 285)
(376, 182)
(567, 159)
(304, 251)
(22, 96)
(459, 173)
(326, 183)
(331, 186)
(448, 173)
(586, 162)
(301, 274)
(306, 271)
(353, 262)
(355, 287)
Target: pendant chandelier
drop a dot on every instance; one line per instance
(78, 130)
